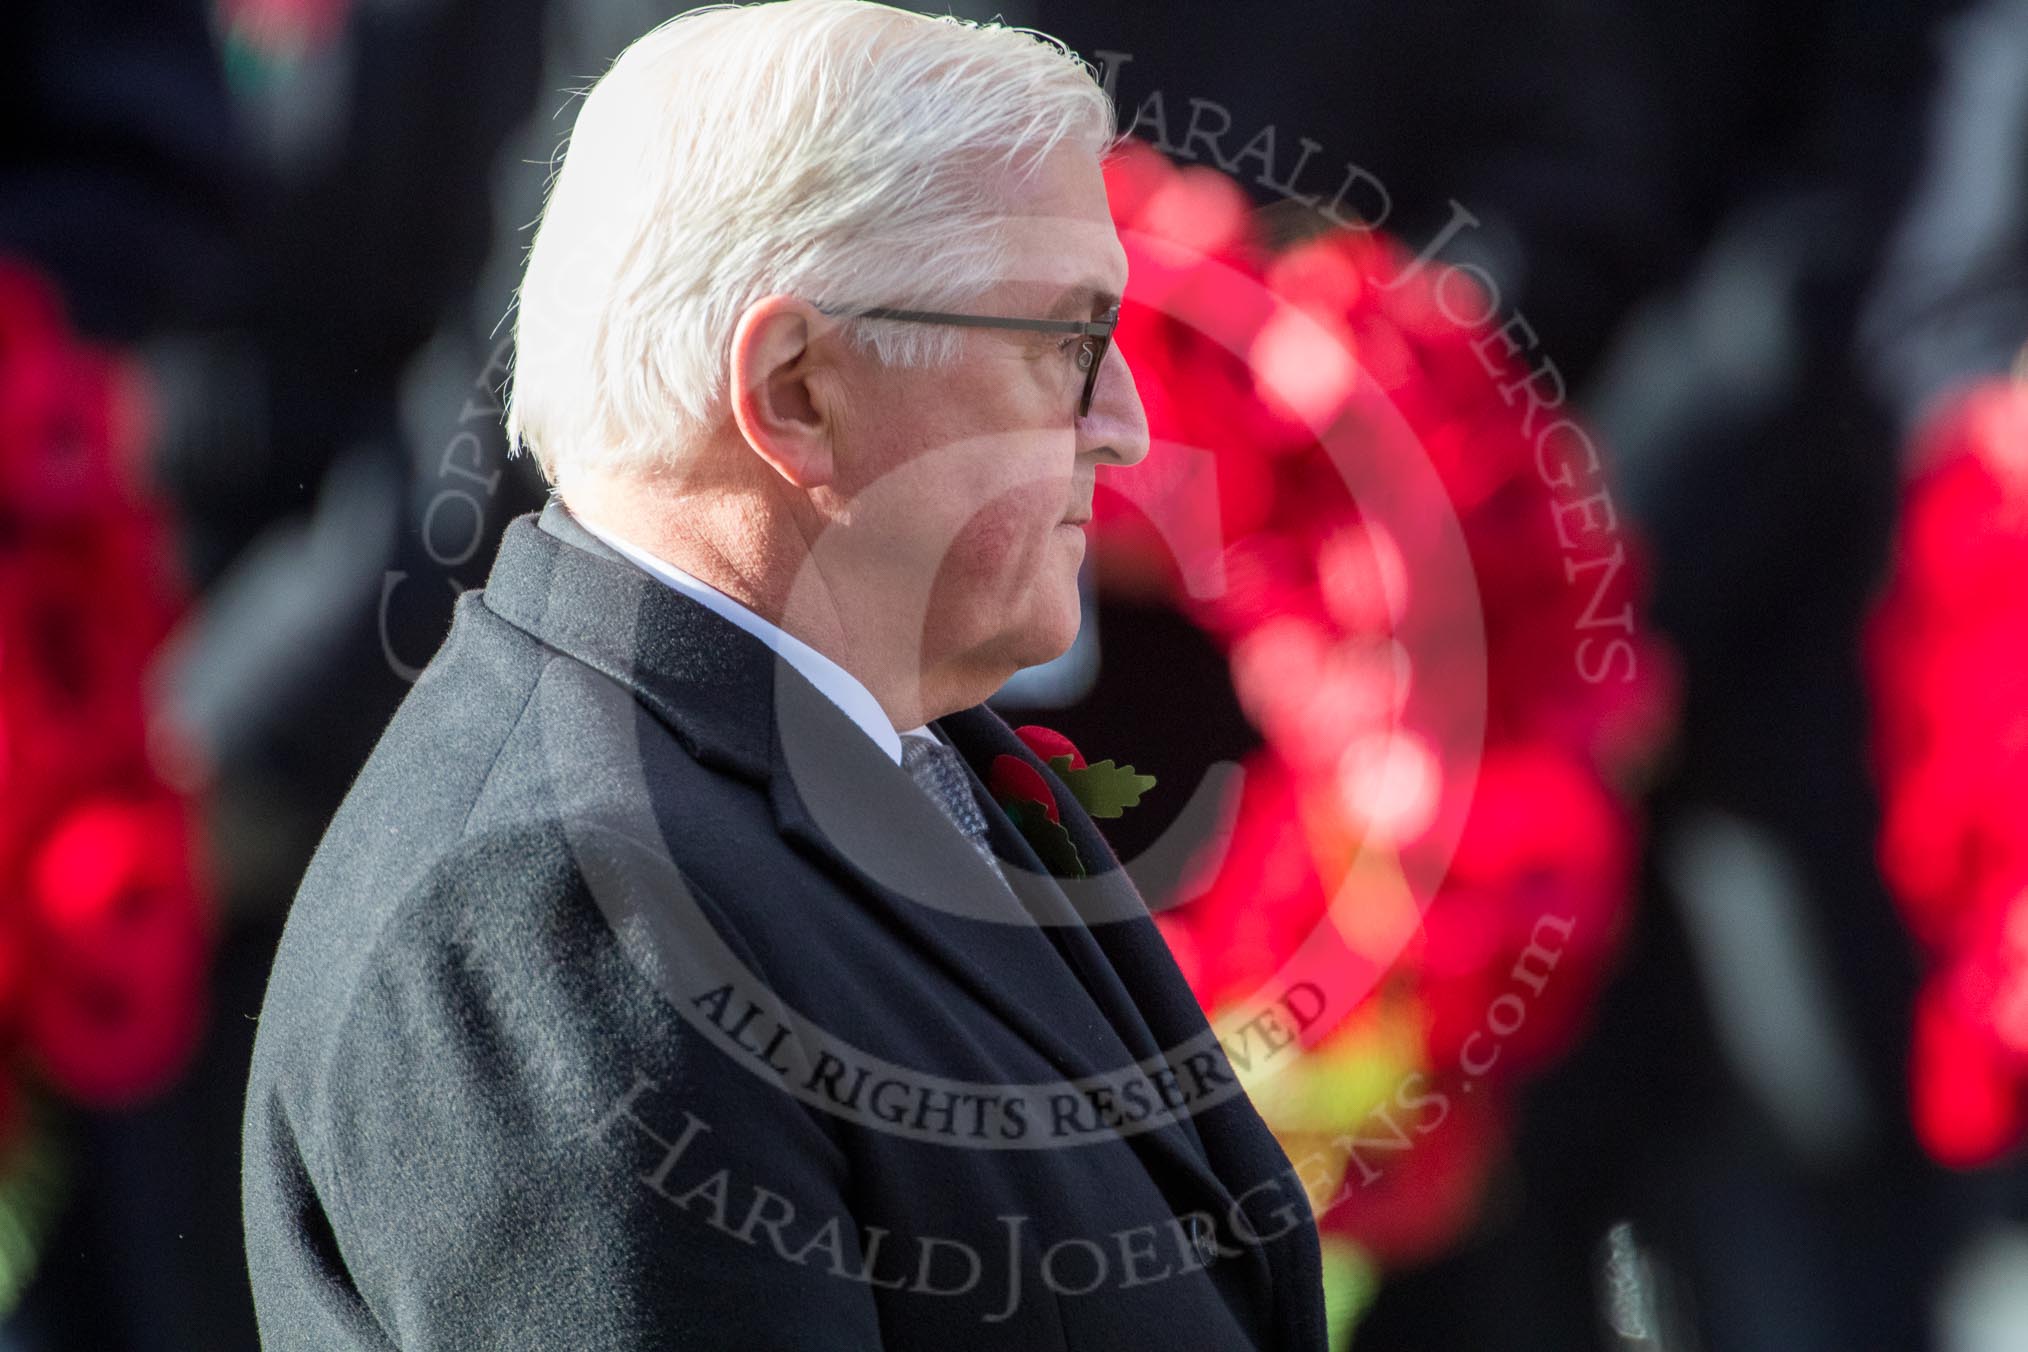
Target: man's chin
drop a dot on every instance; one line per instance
(1031, 646)
(1037, 639)
(1047, 643)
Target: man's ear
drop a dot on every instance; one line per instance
(782, 385)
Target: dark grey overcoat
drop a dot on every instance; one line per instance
(635, 999)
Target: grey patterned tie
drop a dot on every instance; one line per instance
(941, 773)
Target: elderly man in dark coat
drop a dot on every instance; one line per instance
(669, 977)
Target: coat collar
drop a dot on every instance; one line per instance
(735, 707)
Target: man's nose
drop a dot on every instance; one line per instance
(1116, 429)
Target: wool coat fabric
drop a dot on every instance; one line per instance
(635, 999)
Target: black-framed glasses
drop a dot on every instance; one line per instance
(1091, 353)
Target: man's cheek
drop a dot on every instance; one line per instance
(996, 532)
(993, 561)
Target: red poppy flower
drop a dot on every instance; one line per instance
(1012, 779)
(1049, 744)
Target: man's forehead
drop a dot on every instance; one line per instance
(1063, 262)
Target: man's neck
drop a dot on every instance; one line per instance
(792, 594)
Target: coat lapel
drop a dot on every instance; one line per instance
(1100, 918)
(1163, 1012)
(838, 797)
(1090, 998)
(1037, 966)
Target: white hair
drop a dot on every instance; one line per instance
(833, 149)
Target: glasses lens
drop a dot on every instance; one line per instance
(1091, 357)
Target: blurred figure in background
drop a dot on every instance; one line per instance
(120, 191)
(241, 194)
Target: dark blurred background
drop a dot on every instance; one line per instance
(1759, 240)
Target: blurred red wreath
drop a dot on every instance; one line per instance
(1946, 648)
(1274, 380)
(104, 925)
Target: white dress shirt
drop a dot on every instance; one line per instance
(838, 685)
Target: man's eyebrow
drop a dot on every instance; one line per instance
(1086, 301)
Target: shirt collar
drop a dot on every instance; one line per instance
(838, 685)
